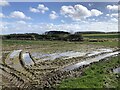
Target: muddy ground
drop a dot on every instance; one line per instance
(42, 64)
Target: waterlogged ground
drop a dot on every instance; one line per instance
(69, 54)
(88, 61)
(54, 46)
(116, 70)
(33, 62)
(98, 75)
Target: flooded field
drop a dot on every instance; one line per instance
(46, 43)
(36, 65)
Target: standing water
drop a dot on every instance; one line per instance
(68, 54)
(88, 61)
(15, 53)
(27, 59)
(116, 70)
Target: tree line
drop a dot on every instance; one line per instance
(50, 35)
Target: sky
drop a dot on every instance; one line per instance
(39, 17)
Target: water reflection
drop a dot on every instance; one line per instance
(116, 70)
(27, 59)
(15, 53)
(88, 61)
(68, 54)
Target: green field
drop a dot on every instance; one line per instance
(42, 46)
(101, 35)
(97, 75)
(106, 43)
(6, 43)
(110, 37)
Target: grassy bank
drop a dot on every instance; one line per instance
(97, 75)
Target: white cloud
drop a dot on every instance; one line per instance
(76, 12)
(19, 15)
(40, 9)
(112, 7)
(2, 15)
(79, 12)
(21, 22)
(34, 10)
(103, 26)
(114, 19)
(115, 15)
(90, 4)
(26, 27)
(3, 3)
(3, 26)
(53, 15)
(107, 14)
(95, 12)
(67, 10)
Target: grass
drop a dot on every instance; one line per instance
(54, 46)
(110, 42)
(106, 43)
(101, 35)
(57, 43)
(26, 42)
(112, 39)
(43, 46)
(96, 76)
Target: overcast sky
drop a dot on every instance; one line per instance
(38, 17)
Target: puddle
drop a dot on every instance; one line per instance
(93, 53)
(39, 55)
(68, 54)
(116, 70)
(15, 53)
(99, 51)
(105, 50)
(27, 59)
(86, 62)
(63, 55)
(53, 56)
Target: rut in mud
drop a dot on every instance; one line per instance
(23, 72)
